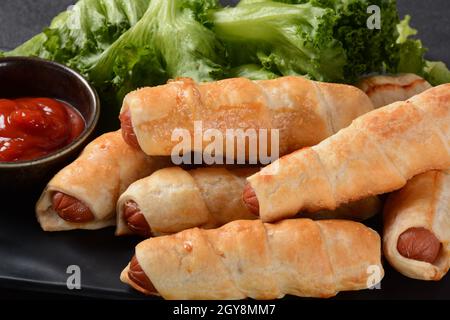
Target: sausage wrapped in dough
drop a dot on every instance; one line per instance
(376, 154)
(305, 112)
(249, 258)
(172, 199)
(83, 195)
(416, 237)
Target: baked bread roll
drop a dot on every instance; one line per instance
(305, 111)
(84, 194)
(173, 199)
(387, 89)
(416, 237)
(249, 258)
(376, 154)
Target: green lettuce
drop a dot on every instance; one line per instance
(169, 41)
(284, 39)
(325, 40)
(405, 30)
(341, 30)
(411, 56)
(410, 51)
(79, 35)
(367, 50)
(436, 72)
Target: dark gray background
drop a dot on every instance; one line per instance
(21, 19)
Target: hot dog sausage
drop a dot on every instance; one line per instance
(71, 209)
(127, 130)
(419, 244)
(250, 199)
(140, 279)
(135, 219)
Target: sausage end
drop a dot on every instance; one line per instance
(71, 209)
(135, 219)
(419, 244)
(128, 133)
(250, 199)
(139, 279)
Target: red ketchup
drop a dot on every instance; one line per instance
(31, 128)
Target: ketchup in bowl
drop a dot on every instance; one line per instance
(32, 128)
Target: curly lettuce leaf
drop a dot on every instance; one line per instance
(405, 30)
(169, 41)
(411, 58)
(326, 40)
(410, 51)
(367, 50)
(79, 35)
(285, 39)
(436, 73)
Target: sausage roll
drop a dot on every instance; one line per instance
(83, 195)
(249, 258)
(416, 237)
(387, 89)
(173, 199)
(305, 112)
(376, 154)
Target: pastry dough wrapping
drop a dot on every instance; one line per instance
(97, 177)
(305, 111)
(423, 202)
(174, 199)
(376, 154)
(248, 258)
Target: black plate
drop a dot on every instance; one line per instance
(32, 260)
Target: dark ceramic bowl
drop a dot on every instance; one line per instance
(33, 77)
